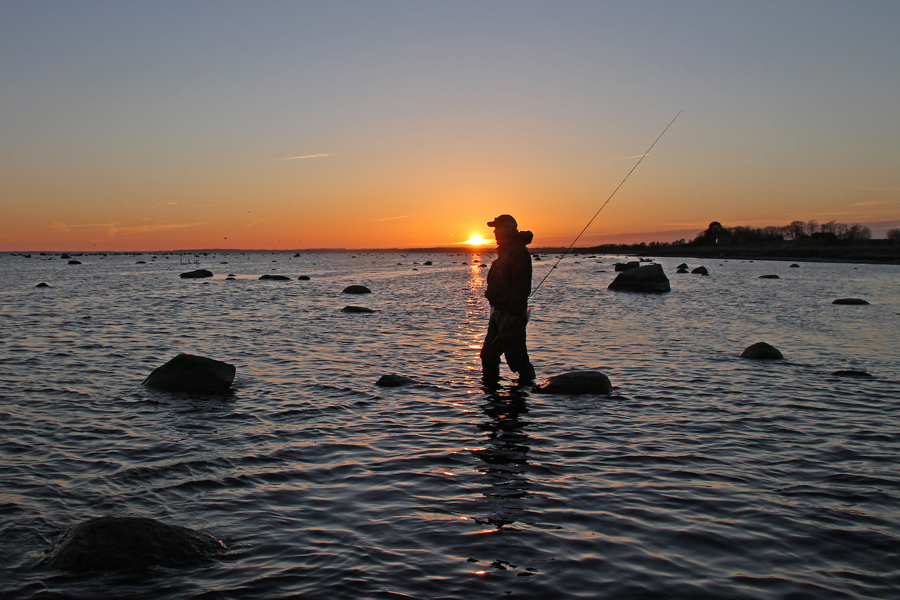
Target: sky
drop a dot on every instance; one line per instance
(157, 125)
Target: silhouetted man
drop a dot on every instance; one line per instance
(508, 288)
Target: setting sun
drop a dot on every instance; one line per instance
(476, 240)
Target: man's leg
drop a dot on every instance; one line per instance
(491, 350)
(516, 350)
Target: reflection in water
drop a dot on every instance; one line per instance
(505, 455)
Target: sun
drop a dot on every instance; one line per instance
(476, 240)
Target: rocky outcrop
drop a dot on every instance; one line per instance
(356, 309)
(395, 381)
(193, 375)
(275, 278)
(121, 543)
(576, 383)
(762, 351)
(857, 301)
(634, 264)
(357, 289)
(650, 279)
(198, 274)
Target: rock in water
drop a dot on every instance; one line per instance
(576, 383)
(275, 278)
(43, 284)
(650, 279)
(119, 543)
(622, 267)
(394, 381)
(762, 351)
(851, 373)
(858, 301)
(198, 274)
(357, 289)
(356, 309)
(193, 375)
(700, 271)
(769, 277)
(303, 278)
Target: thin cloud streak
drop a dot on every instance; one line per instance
(395, 218)
(292, 158)
(876, 202)
(624, 158)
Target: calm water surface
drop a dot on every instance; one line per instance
(704, 475)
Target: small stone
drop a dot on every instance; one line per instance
(851, 301)
(762, 351)
(303, 278)
(42, 285)
(357, 289)
(356, 309)
(198, 274)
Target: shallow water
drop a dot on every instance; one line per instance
(704, 475)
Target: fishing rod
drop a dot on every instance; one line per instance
(534, 291)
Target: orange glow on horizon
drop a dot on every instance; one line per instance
(476, 240)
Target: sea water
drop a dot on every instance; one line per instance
(703, 475)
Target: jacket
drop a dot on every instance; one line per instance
(509, 278)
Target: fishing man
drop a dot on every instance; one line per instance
(508, 288)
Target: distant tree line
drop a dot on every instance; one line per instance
(831, 231)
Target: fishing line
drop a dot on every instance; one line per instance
(553, 268)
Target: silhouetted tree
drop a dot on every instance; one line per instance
(795, 230)
(893, 234)
(812, 226)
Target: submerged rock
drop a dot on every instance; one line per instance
(857, 301)
(795, 266)
(74, 262)
(576, 383)
(120, 543)
(356, 309)
(42, 285)
(193, 375)
(851, 373)
(762, 351)
(357, 289)
(650, 279)
(303, 278)
(198, 274)
(769, 277)
(395, 381)
(275, 278)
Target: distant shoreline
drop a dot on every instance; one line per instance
(865, 251)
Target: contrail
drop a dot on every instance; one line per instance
(392, 218)
(623, 158)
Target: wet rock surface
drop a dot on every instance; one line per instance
(575, 383)
(762, 351)
(122, 543)
(193, 375)
(650, 279)
(198, 274)
(357, 289)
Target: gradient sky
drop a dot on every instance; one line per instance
(154, 125)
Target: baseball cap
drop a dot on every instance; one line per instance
(504, 221)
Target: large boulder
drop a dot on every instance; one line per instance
(120, 543)
(193, 375)
(650, 279)
(198, 274)
(576, 383)
(634, 264)
(357, 289)
(762, 351)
